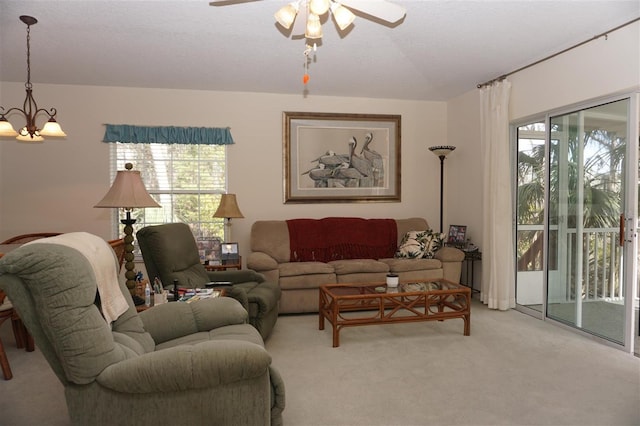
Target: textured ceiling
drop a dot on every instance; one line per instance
(441, 49)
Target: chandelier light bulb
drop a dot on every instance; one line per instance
(52, 129)
(6, 129)
(287, 14)
(343, 16)
(25, 136)
(319, 7)
(314, 27)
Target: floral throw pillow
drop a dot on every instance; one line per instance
(420, 244)
(412, 245)
(433, 241)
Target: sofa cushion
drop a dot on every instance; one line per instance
(405, 265)
(354, 266)
(290, 269)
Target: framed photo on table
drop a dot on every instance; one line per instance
(229, 252)
(338, 158)
(209, 249)
(457, 235)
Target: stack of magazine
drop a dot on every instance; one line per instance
(199, 293)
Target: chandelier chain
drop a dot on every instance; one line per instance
(28, 84)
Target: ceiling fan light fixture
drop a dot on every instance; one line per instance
(319, 7)
(314, 27)
(343, 16)
(287, 14)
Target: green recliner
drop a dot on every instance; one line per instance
(170, 252)
(177, 363)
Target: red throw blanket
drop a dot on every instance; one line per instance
(335, 238)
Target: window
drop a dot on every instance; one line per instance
(186, 180)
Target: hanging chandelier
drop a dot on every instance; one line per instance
(30, 132)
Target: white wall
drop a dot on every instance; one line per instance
(53, 186)
(594, 70)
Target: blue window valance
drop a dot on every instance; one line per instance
(168, 134)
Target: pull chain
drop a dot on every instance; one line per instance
(307, 60)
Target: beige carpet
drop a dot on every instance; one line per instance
(512, 370)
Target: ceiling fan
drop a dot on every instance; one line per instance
(303, 17)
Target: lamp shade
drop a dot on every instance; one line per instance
(314, 27)
(319, 7)
(6, 129)
(127, 191)
(287, 14)
(442, 150)
(228, 207)
(25, 136)
(343, 16)
(52, 129)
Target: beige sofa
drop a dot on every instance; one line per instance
(301, 271)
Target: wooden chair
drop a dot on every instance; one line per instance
(6, 312)
(25, 238)
(23, 338)
(118, 248)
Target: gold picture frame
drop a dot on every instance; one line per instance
(340, 158)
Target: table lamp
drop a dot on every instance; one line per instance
(128, 192)
(228, 209)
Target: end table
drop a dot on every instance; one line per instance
(470, 257)
(237, 264)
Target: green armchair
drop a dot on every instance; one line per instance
(170, 252)
(177, 363)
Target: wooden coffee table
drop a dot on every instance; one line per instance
(375, 303)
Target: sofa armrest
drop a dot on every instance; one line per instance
(261, 261)
(449, 254)
(241, 276)
(176, 369)
(176, 319)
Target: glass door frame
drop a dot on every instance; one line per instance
(630, 249)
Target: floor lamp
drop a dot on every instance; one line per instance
(128, 192)
(228, 209)
(441, 152)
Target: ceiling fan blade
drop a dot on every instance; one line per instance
(381, 9)
(228, 2)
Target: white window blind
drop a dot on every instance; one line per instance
(186, 180)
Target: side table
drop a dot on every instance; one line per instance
(470, 257)
(225, 265)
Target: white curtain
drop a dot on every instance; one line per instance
(498, 272)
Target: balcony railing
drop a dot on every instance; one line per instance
(601, 260)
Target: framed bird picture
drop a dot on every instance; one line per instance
(331, 158)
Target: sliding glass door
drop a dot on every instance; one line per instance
(587, 187)
(576, 218)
